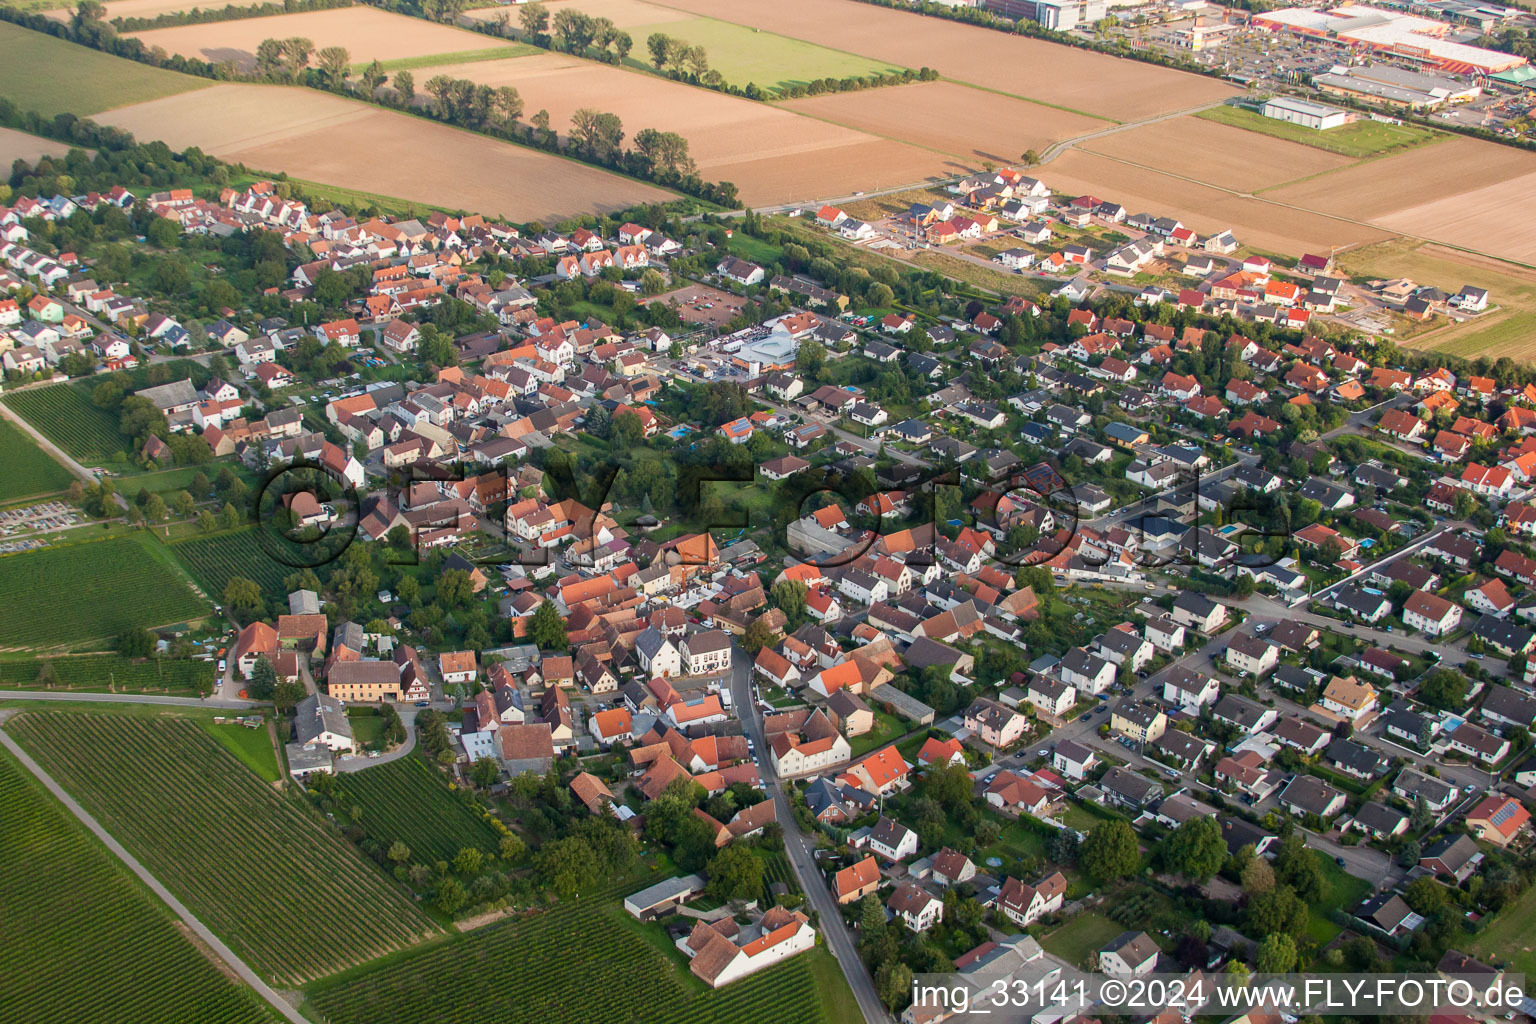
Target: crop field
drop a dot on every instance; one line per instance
(971, 124)
(154, 8)
(1092, 83)
(625, 14)
(1362, 138)
(98, 673)
(29, 470)
(65, 415)
(15, 145)
(1205, 208)
(211, 561)
(268, 875)
(772, 155)
(53, 76)
(353, 145)
(760, 55)
(83, 942)
(407, 800)
(1459, 191)
(367, 33)
(576, 963)
(90, 591)
(1216, 153)
(1504, 331)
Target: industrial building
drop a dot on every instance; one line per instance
(1059, 15)
(1406, 36)
(1396, 87)
(1305, 113)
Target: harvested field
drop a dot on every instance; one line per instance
(1480, 219)
(773, 156)
(1205, 208)
(55, 76)
(342, 142)
(367, 33)
(968, 123)
(153, 8)
(623, 13)
(15, 145)
(1216, 153)
(1093, 83)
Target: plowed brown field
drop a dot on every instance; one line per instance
(1216, 153)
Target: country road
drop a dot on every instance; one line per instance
(197, 927)
(799, 847)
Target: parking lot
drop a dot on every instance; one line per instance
(701, 304)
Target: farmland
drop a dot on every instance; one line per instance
(95, 673)
(771, 155)
(73, 906)
(52, 76)
(121, 583)
(1091, 83)
(15, 145)
(608, 971)
(367, 33)
(253, 864)
(971, 124)
(408, 801)
(625, 14)
(65, 415)
(318, 137)
(153, 8)
(211, 561)
(29, 470)
(1363, 138)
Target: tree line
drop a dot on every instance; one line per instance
(231, 12)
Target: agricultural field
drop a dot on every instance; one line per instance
(53, 76)
(253, 864)
(90, 592)
(1499, 332)
(1257, 222)
(409, 801)
(83, 941)
(15, 145)
(367, 33)
(608, 971)
(1363, 138)
(625, 14)
(212, 560)
(1061, 76)
(1459, 191)
(771, 155)
(153, 8)
(109, 673)
(318, 137)
(971, 124)
(1215, 152)
(65, 415)
(29, 471)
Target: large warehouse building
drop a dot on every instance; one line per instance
(1307, 114)
(1407, 36)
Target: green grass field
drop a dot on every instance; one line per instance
(1086, 933)
(29, 471)
(1510, 940)
(269, 875)
(743, 55)
(582, 961)
(83, 941)
(431, 60)
(212, 560)
(65, 415)
(409, 801)
(92, 591)
(53, 76)
(252, 746)
(101, 673)
(1363, 138)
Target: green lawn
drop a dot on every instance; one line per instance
(29, 470)
(430, 60)
(1511, 937)
(887, 728)
(252, 746)
(53, 76)
(745, 56)
(1363, 138)
(1086, 933)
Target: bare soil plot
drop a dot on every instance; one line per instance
(15, 145)
(968, 123)
(326, 139)
(772, 155)
(1216, 153)
(1495, 219)
(623, 13)
(1205, 208)
(1081, 80)
(367, 33)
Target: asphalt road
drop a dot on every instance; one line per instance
(798, 847)
(233, 704)
(222, 951)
